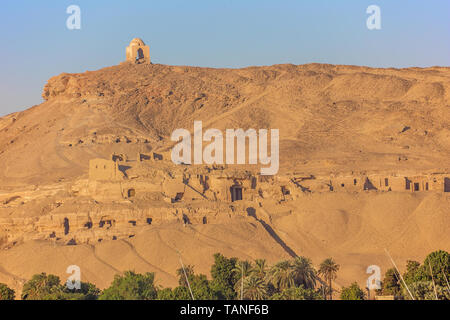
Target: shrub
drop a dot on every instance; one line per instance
(6, 293)
(131, 286)
(353, 292)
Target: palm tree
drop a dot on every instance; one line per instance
(281, 275)
(328, 268)
(255, 288)
(260, 269)
(243, 269)
(304, 273)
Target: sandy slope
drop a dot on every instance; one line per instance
(153, 250)
(354, 229)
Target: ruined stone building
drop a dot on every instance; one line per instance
(153, 176)
(102, 169)
(138, 52)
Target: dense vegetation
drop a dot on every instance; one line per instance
(295, 279)
(6, 293)
(426, 281)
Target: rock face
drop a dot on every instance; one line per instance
(363, 166)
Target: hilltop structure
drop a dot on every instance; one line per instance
(138, 52)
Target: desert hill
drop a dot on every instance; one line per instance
(334, 121)
(334, 117)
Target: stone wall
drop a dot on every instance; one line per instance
(106, 170)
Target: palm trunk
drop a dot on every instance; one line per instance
(331, 291)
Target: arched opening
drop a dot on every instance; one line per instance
(131, 193)
(140, 54)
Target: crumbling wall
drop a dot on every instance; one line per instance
(101, 223)
(104, 170)
(347, 183)
(418, 183)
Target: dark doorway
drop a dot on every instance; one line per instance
(253, 186)
(407, 184)
(446, 184)
(157, 156)
(140, 54)
(131, 193)
(66, 226)
(368, 185)
(178, 196)
(416, 186)
(236, 193)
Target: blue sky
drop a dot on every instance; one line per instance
(36, 44)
